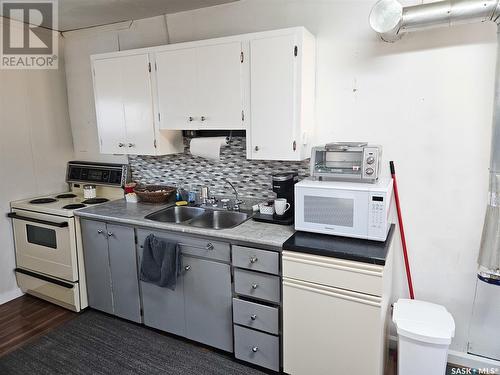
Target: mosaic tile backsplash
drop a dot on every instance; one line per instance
(252, 178)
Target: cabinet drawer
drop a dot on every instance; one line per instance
(257, 348)
(257, 316)
(68, 298)
(191, 245)
(255, 259)
(337, 273)
(257, 285)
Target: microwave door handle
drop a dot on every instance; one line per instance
(14, 215)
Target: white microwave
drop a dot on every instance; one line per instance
(349, 209)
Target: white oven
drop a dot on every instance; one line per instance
(349, 209)
(45, 244)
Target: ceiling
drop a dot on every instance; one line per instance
(78, 14)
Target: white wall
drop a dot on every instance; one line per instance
(35, 144)
(427, 99)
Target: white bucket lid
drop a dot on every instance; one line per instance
(423, 321)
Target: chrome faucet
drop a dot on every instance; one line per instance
(237, 202)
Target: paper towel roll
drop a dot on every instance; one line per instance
(208, 147)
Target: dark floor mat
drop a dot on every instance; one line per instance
(95, 343)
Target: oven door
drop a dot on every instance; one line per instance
(45, 243)
(331, 211)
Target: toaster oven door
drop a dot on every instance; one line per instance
(332, 211)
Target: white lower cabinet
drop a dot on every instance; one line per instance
(328, 330)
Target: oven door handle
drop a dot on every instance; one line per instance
(14, 215)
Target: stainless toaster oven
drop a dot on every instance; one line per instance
(346, 161)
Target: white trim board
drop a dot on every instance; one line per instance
(10, 295)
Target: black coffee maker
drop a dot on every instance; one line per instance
(284, 187)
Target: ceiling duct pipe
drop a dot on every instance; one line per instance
(391, 20)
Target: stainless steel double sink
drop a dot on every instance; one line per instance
(200, 217)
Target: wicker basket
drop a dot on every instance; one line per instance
(154, 193)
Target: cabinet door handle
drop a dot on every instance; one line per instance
(187, 268)
(253, 259)
(253, 317)
(110, 234)
(256, 148)
(131, 145)
(121, 144)
(190, 118)
(210, 246)
(99, 231)
(255, 286)
(255, 349)
(203, 118)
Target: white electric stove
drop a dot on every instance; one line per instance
(49, 256)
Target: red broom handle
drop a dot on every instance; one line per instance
(402, 231)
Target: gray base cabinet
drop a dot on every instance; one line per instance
(207, 296)
(98, 272)
(256, 307)
(200, 307)
(111, 269)
(163, 308)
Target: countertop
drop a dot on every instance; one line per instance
(373, 252)
(270, 236)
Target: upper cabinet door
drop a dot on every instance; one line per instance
(138, 104)
(124, 104)
(273, 89)
(108, 94)
(177, 93)
(220, 93)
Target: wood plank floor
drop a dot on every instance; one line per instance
(27, 318)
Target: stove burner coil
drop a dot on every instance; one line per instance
(68, 195)
(74, 206)
(95, 200)
(43, 201)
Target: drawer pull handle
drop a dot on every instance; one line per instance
(253, 317)
(99, 231)
(110, 234)
(255, 349)
(255, 286)
(253, 260)
(210, 246)
(187, 268)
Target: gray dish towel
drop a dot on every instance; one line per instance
(161, 263)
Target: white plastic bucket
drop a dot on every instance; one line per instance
(425, 331)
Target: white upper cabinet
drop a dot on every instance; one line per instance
(176, 81)
(282, 85)
(200, 87)
(125, 108)
(263, 83)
